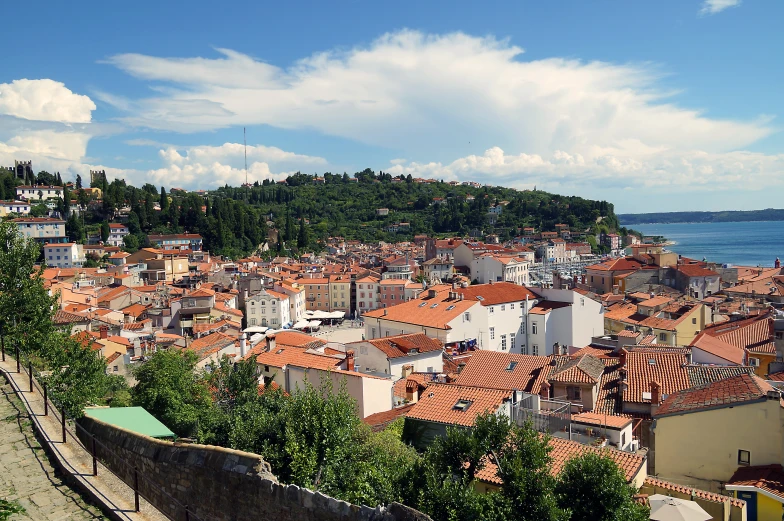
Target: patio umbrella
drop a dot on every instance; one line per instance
(666, 508)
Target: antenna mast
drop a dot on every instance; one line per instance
(245, 144)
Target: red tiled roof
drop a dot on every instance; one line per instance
(701, 494)
(666, 368)
(489, 369)
(719, 348)
(403, 345)
(739, 389)
(380, 420)
(437, 404)
(610, 420)
(282, 356)
(64, 317)
(769, 478)
(776, 377)
(564, 450)
(620, 264)
(296, 339)
(134, 310)
(207, 345)
(753, 334)
(692, 270)
(497, 293)
(582, 369)
(428, 311)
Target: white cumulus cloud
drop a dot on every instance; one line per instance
(716, 6)
(44, 100)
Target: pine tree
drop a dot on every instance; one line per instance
(78, 182)
(164, 200)
(302, 236)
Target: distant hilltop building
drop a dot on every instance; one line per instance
(97, 176)
(23, 169)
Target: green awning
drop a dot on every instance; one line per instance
(135, 419)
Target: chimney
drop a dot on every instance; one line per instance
(655, 395)
(622, 357)
(271, 342)
(104, 332)
(460, 367)
(616, 289)
(243, 344)
(544, 391)
(407, 370)
(137, 348)
(688, 357)
(350, 360)
(583, 279)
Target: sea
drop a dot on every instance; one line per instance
(755, 243)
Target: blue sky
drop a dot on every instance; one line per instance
(654, 106)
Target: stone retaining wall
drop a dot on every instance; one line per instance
(219, 484)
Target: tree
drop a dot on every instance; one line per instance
(170, 390)
(105, 231)
(26, 308)
(39, 210)
(302, 236)
(78, 182)
(592, 488)
(131, 243)
(164, 200)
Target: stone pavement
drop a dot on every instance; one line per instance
(115, 498)
(27, 475)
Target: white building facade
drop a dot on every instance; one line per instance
(64, 255)
(268, 308)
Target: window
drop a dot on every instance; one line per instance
(503, 342)
(534, 328)
(582, 302)
(524, 350)
(694, 320)
(252, 321)
(511, 366)
(491, 309)
(591, 278)
(573, 392)
(663, 337)
(434, 306)
(503, 307)
(266, 369)
(467, 317)
(522, 328)
(511, 306)
(492, 333)
(512, 339)
(535, 350)
(462, 405)
(744, 457)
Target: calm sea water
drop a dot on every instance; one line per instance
(744, 243)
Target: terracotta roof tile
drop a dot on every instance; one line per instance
(491, 370)
(719, 348)
(735, 390)
(296, 356)
(645, 366)
(564, 450)
(769, 478)
(425, 310)
(753, 334)
(65, 317)
(296, 339)
(210, 344)
(439, 404)
(496, 293)
(582, 369)
(380, 420)
(403, 345)
(701, 494)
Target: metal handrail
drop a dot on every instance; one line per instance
(63, 417)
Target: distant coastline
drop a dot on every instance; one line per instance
(767, 215)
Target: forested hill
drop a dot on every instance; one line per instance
(769, 214)
(306, 210)
(347, 207)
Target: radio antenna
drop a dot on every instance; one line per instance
(245, 144)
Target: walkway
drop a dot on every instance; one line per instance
(27, 475)
(113, 495)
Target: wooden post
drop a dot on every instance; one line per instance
(46, 399)
(136, 488)
(18, 361)
(2, 341)
(95, 460)
(30, 373)
(62, 421)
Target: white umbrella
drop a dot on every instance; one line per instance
(666, 508)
